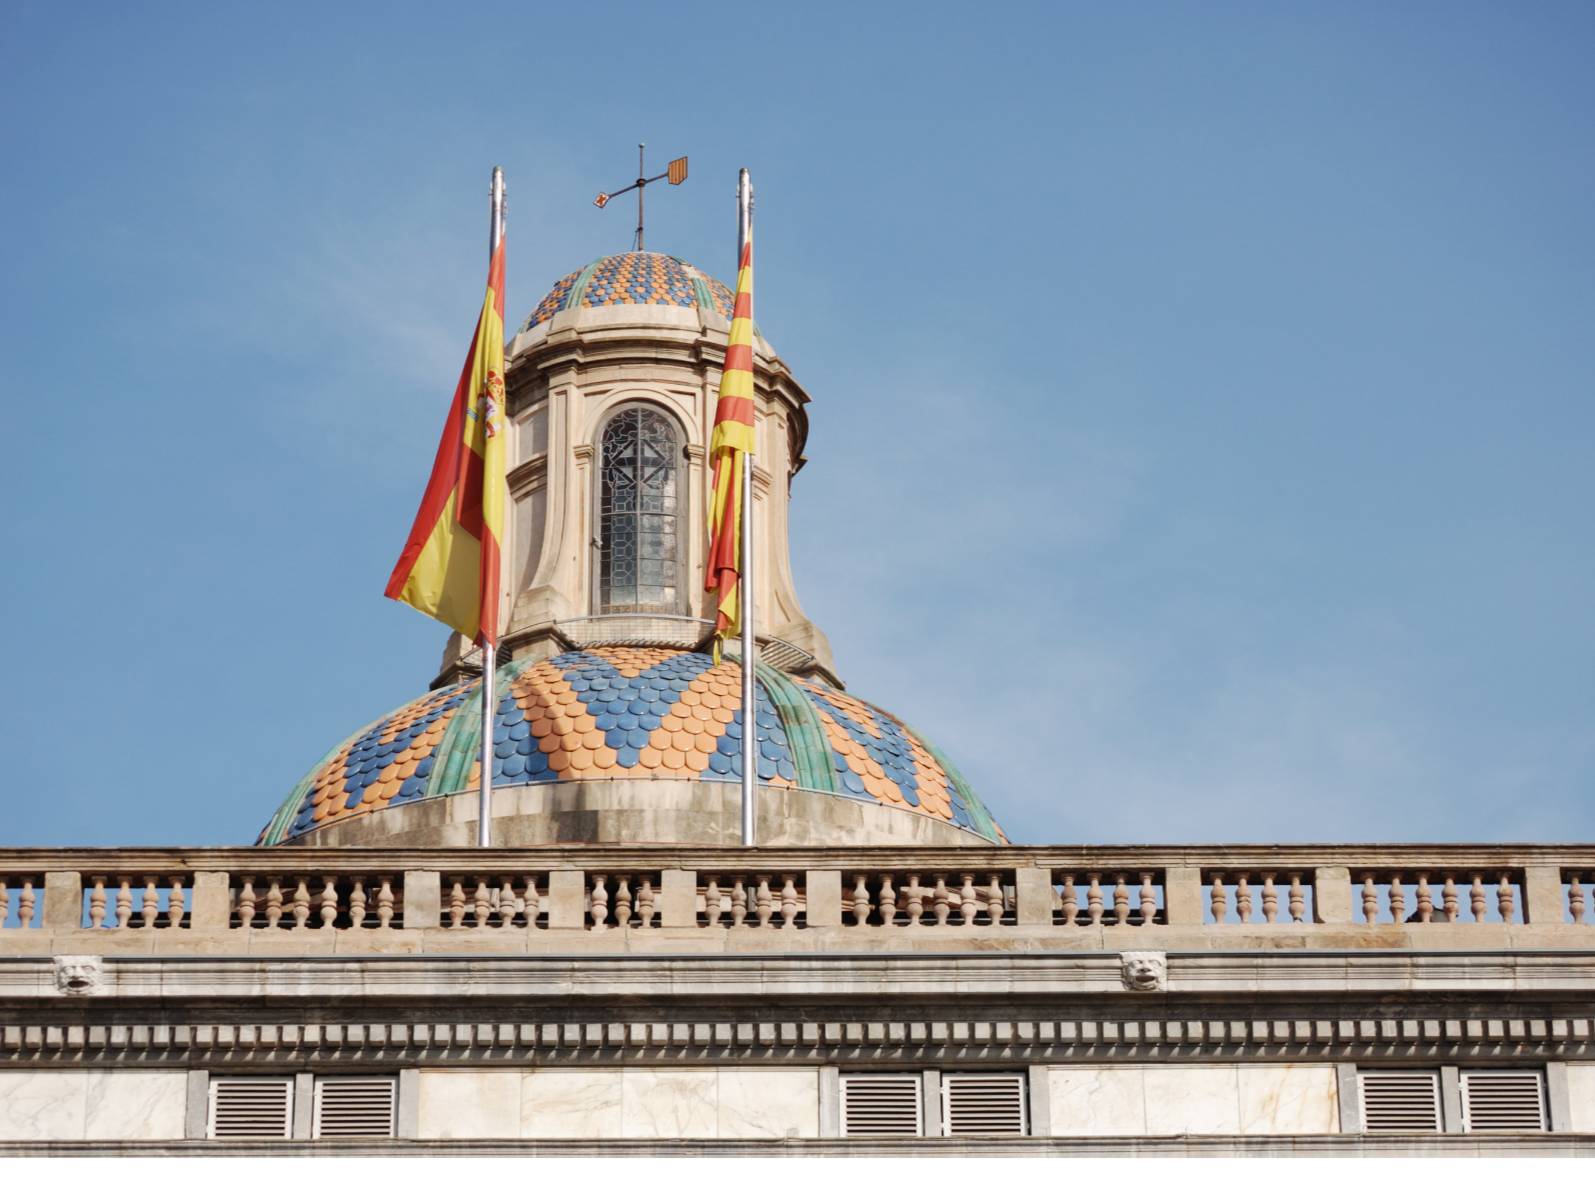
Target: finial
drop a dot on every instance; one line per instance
(675, 173)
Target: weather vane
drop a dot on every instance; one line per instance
(676, 173)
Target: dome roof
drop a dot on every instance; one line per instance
(637, 277)
(632, 713)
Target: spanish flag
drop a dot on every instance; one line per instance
(733, 437)
(449, 567)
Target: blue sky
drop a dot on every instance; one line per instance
(1203, 393)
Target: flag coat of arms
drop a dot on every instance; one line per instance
(450, 565)
(731, 441)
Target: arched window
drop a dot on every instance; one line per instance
(639, 565)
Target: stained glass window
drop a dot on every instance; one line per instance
(639, 568)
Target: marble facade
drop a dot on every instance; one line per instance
(1256, 1098)
(91, 1105)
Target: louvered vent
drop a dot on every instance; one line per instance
(251, 1107)
(1503, 1101)
(355, 1106)
(984, 1102)
(878, 1106)
(1396, 1102)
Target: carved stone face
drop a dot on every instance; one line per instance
(79, 975)
(1144, 971)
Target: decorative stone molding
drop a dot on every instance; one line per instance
(79, 975)
(620, 1037)
(1144, 971)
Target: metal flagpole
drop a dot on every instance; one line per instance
(495, 237)
(750, 728)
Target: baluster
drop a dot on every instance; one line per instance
(1071, 900)
(534, 903)
(1093, 899)
(456, 905)
(1575, 898)
(739, 900)
(301, 904)
(246, 902)
(1270, 899)
(505, 906)
(357, 904)
(384, 902)
(762, 901)
(789, 902)
(860, 901)
(97, 904)
(1398, 899)
(1448, 898)
(1243, 896)
(711, 900)
(1218, 898)
(916, 900)
(623, 901)
(888, 901)
(599, 904)
(1504, 900)
(968, 906)
(941, 899)
(5, 902)
(994, 899)
(176, 903)
(1148, 900)
(1370, 898)
(1425, 899)
(1476, 897)
(152, 903)
(26, 901)
(1121, 901)
(329, 902)
(482, 903)
(274, 901)
(1298, 899)
(645, 902)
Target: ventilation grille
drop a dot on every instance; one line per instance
(355, 1107)
(986, 1103)
(1395, 1102)
(1502, 1100)
(878, 1106)
(251, 1107)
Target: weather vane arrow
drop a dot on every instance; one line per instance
(675, 174)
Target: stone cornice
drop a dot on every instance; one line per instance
(1410, 857)
(830, 978)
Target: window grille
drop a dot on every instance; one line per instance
(1502, 1101)
(880, 1106)
(251, 1107)
(986, 1103)
(639, 565)
(355, 1106)
(1395, 1102)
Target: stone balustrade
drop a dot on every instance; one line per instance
(21, 906)
(315, 900)
(909, 898)
(1158, 896)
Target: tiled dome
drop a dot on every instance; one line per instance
(613, 713)
(637, 277)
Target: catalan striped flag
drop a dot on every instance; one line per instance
(733, 437)
(450, 565)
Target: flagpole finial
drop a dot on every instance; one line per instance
(496, 209)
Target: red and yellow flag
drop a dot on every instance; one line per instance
(449, 567)
(733, 437)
